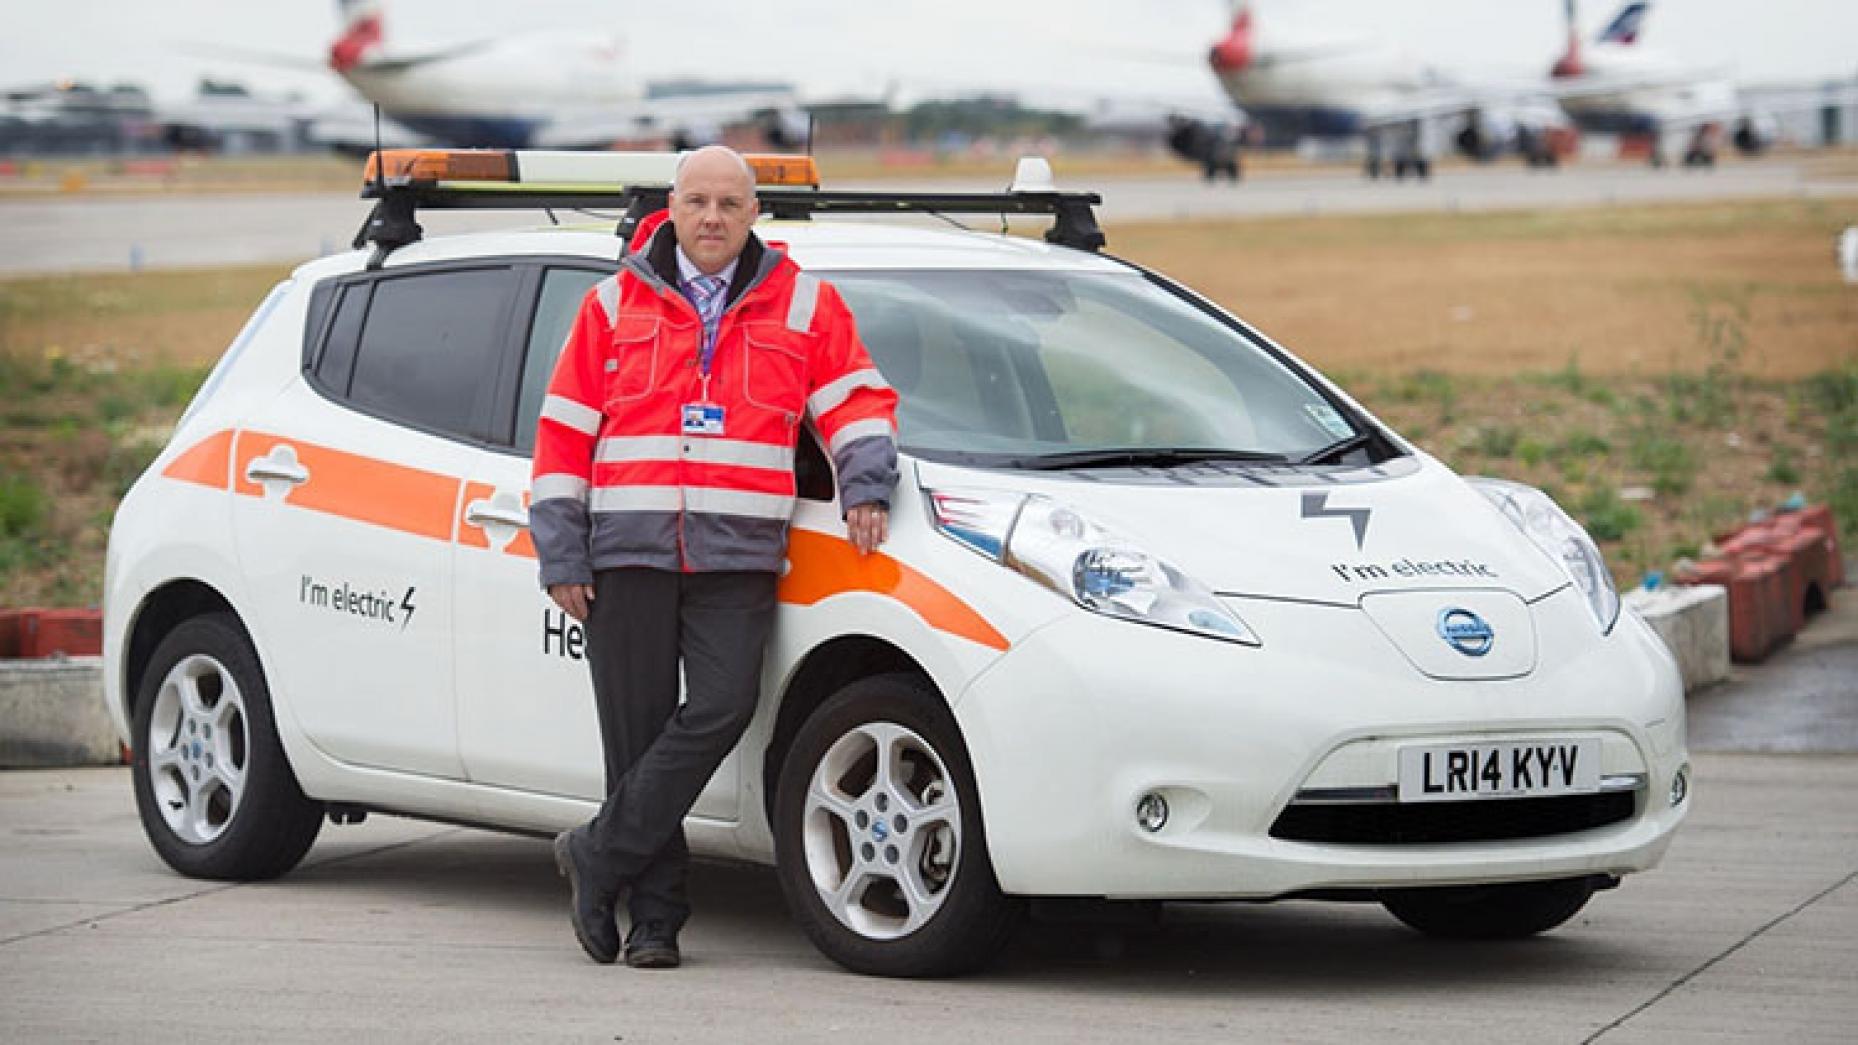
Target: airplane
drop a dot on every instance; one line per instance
(1296, 85)
(1655, 95)
(542, 90)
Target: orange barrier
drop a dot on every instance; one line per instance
(1819, 516)
(1757, 615)
(1777, 571)
(45, 633)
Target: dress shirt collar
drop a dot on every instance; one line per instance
(687, 269)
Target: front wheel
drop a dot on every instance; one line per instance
(216, 796)
(879, 840)
(1491, 912)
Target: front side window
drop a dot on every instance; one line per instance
(1007, 367)
(563, 290)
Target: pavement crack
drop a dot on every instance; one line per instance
(1713, 962)
(212, 890)
(151, 905)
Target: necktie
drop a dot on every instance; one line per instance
(707, 293)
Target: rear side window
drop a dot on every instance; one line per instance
(422, 348)
(337, 365)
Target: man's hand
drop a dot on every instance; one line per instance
(574, 599)
(868, 525)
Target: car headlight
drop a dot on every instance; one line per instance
(1561, 538)
(1087, 563)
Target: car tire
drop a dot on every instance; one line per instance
(888, 877)
(1491, 912)
(215, 792)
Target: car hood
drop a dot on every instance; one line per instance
(1315, 535)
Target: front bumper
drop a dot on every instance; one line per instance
(1084, 717)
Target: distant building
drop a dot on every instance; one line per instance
(69, 118)
(1811, 115)
(72, 118)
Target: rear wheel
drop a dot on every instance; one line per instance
(216, 796)
(1491, 912)
(879, 839)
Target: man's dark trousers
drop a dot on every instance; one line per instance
(658, 754)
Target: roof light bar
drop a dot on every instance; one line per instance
(533, 170)
(773, 169)
(418, 167)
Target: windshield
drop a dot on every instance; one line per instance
(1008, 367)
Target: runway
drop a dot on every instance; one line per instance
(105, 234)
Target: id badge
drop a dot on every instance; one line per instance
(703, 419)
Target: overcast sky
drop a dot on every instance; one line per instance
(1087, 47)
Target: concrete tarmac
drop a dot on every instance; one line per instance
(101, 234)
(407, 931)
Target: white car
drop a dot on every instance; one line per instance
(1163, 614)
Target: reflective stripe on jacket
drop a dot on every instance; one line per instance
(616, 480)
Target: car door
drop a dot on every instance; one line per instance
(526, 716)
(525, 699)
(350, 483)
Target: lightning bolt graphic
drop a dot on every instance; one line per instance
(406, 603)
(1314, 508)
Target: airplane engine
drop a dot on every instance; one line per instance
(1474, 143)
(1213, 147)
(1486, 135)
(1755, 133)
(785, 129)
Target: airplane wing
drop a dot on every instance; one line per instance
(402, 62)
(1448, 99)
(1678, 115)
(1451, 101)
(688, 119)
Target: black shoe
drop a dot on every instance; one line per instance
(652, 945)
(591, 915)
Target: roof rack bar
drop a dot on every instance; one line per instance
(392, 223)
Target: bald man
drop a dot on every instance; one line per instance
(662, 487)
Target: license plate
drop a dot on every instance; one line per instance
(1505, 769)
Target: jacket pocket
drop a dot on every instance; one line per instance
(632, 364)
(774, 374)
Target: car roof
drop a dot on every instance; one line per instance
(828, 244)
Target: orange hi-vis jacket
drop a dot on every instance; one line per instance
(643, 460)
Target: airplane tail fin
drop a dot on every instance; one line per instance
(1234, 51)
(1626, 26)
(1569, 65)
(362, 34)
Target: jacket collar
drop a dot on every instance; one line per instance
(653, 259)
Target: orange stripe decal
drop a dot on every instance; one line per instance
(522, 544)
(469, 534)
(361, 488)
(206, 462)
(824, 566)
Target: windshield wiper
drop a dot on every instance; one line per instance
(1141, 457)
(1338, 448)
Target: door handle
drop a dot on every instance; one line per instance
(280, 465)
(479, 513)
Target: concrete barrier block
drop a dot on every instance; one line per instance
(52, 714)
(1693, 621)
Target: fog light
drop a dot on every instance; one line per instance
(1152, 813)
(1680, 785)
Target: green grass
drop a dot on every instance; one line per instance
(1606, 517)
(1834, 394)
(1782, 468)
(1497, 441)
(1666, 458)
(23, 511)
(1578, 445)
